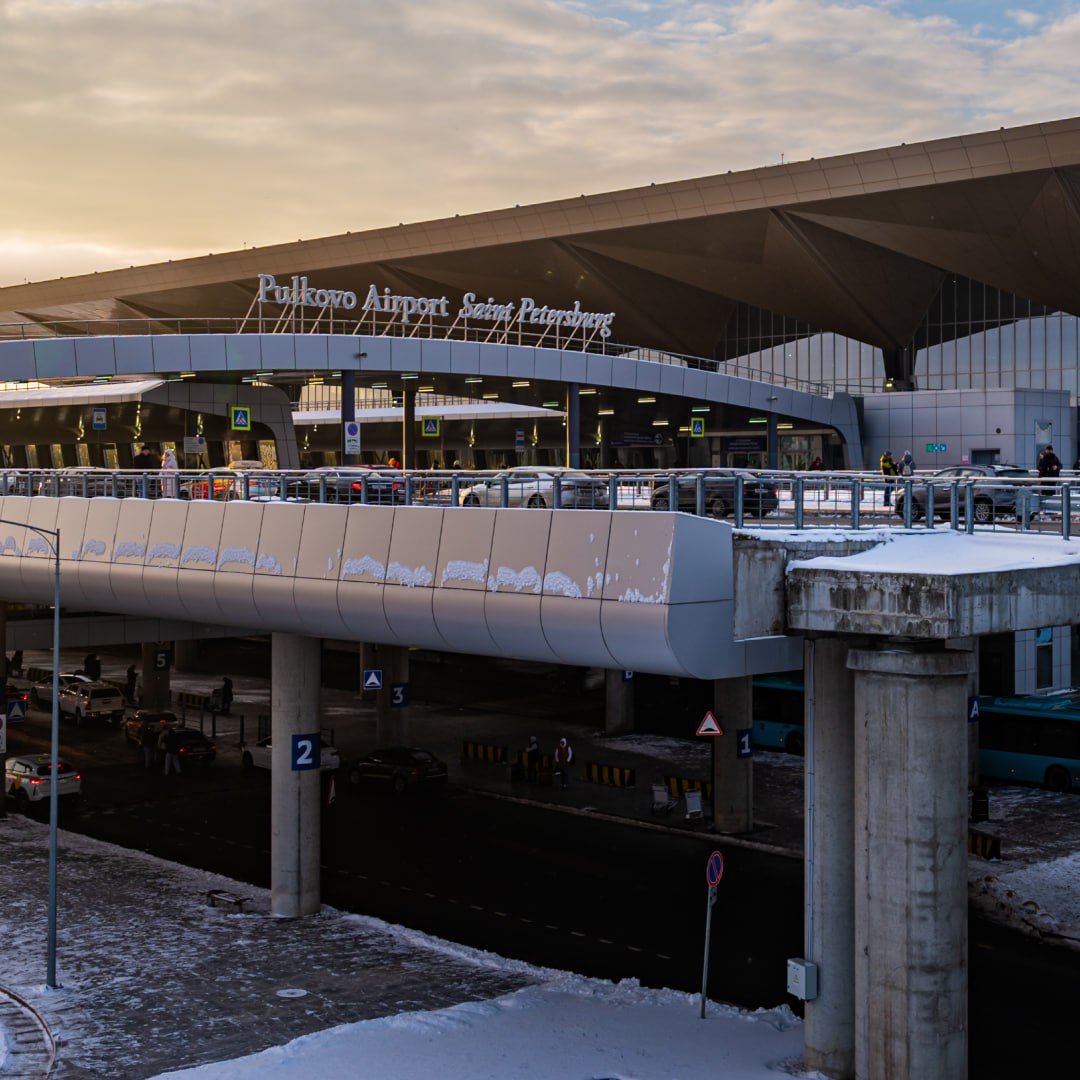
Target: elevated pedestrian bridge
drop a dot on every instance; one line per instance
(644, 592)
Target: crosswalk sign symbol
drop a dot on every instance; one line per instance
(373, 679)
(697, 428)
(431, 425)
(239, 418)
(16, 711)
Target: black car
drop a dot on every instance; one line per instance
(194, 747)
(399, 767)
(335, 484)
(759, 495)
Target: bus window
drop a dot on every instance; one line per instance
(1032, 740)
(778, 712)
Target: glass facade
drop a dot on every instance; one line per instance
(972, 337)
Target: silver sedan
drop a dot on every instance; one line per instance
(535, 487)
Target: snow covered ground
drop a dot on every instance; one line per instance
(151, 974)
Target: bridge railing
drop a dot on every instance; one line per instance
(758, 498)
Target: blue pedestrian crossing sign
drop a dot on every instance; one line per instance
(697, 428)
(16, 711)
(431, 426)
(239, 418)
(372, 679)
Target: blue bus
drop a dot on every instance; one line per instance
(1031, 740)
(778, 712)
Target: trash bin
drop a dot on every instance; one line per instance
(980, 804)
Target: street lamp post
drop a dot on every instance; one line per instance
(53, 538)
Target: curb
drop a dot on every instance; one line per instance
(18, 1017)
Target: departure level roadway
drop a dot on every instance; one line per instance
(559, 889)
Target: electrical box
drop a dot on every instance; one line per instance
(802, 979)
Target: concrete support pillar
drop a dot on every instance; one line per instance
(156, 692)
(773, 441)
(829, 1030)
(186, 655)
(392, 713)
(573, 426)
(618, 703)
(733, 776)
(911, 963)
(348, 412)
(294, 793)
(408, 426)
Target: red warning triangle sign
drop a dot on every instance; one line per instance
(710, 726)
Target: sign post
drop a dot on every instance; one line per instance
(714, 871)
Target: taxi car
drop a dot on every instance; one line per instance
(28, 781)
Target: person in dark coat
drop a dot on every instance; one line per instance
(172, 751)
(1049, 464)
(129, 685)
(532, 760)
(226, 694)
(148, 740)
(92, 666)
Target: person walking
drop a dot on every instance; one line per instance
(172, 751)
(226, 695)
(92, 667)
(907, 464)
(169, 468)
(889, 471)
(1049, 465)
(129, 684)
(564, 757)
(148, 740)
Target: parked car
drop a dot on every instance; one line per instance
(402, 768)
(530, 486)
(194, 748)
(84, 701)
(134, 722)
(13, 693)
(345, 484)
(41, 692)
(88, 482)
(759, 493)
(992, 500)
(28, 781)
(257, 756)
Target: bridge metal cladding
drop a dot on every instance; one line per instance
(645, 592)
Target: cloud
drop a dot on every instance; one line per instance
(184, 126)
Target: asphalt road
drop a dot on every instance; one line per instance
(552, 888)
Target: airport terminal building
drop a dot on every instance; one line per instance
(931, 287)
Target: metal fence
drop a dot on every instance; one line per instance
(761, 499)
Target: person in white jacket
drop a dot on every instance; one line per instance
(169, 465)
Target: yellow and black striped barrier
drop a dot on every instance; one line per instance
(611, 775)
(489, 752)
(188, 699)
(983, 845)
(680, 785)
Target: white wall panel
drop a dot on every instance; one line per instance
(199, 559)
(129, 554)
(318, 568)
(275, 565)
(461, 579)
(410, 575)
(363, 571)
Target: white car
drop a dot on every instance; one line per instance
(258, 755)
(528, 485)
(41, 692)
(83, 701)
(27, 780)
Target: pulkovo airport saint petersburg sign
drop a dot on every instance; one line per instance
(524, 310)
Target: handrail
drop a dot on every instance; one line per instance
(749, 498)
(511, 334)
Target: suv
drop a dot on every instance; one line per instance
(991, 500)
(759, 493)
(91, 701)
(27, 781)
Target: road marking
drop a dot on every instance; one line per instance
(605, 941)
(431, 896)
(576, 933)
(633, 948)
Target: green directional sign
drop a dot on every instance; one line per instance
(936, 447)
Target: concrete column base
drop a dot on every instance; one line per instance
(156, 690)
(829, 1029)
(733, 776)
(618, 703)
(911, 963)
(391, 720)
(295, 807)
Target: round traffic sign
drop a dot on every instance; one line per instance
(714, 869)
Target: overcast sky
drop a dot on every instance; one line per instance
(140, 130)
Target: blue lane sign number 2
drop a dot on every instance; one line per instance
(306, 752)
